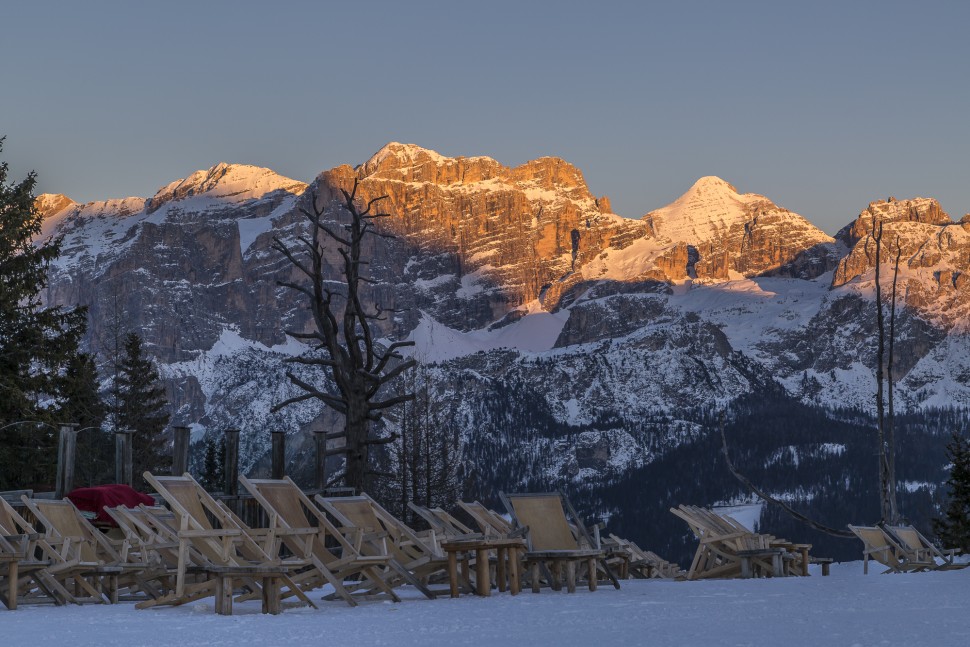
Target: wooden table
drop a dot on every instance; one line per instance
(506, 565)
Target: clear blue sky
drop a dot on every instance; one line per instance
(820, 106)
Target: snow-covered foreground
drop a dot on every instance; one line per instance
(845, 609)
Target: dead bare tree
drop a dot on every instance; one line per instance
(891, 427)
(345, 346)
(885, 425)
(885, 429)
(885, 501)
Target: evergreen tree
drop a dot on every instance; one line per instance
(141, 407)
(84, 406)
(212, 476)
(953, 530)
(35, 341)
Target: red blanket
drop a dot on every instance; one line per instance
(95, 499)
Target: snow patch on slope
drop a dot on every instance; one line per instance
(627, 264)
(251, 228)
(536, 332)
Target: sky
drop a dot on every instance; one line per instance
(821, 106)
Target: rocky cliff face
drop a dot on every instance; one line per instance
(933, 254)
(743, 235)
(502, 237)
(520, 279)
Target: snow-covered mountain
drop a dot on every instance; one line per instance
(524, 292)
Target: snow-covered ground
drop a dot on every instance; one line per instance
(846, 609)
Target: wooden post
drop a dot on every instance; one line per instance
(279, 455)
(180, 451)
(231, 463)
(320, 476)
(123, 461)
(67, 442)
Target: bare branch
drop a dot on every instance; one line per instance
(311, 361)
(293, 400)
(383, 441)
(386, 404)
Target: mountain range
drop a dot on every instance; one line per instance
(593, 343)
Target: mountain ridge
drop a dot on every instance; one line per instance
(519, 272)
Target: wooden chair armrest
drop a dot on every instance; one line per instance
(290, 532)
(217, 534)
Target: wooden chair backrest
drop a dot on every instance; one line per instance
(12, 523)
(909, 536)
(544, 515)
(284, 500)
(443, 522)
(187, 494)
(450, 523)
(491, 523)
(913, 541)
(64, 520)
(190, 503)
(362, 512)
(877, 544)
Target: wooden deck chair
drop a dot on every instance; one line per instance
(447, 529)
(82, 568)
(415, 557)
(25, 560)
(920, 549)
(153, 539)
(444, 523)
(114, 569)
(226, 550)
(881, 547)
(491, 523)
(645, 564)
(334, 559)
(727, 549)
(795, 560)
(551, 542)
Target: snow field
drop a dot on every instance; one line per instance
(846, 609)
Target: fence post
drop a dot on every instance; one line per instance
(66, 444)
(231, 464)
(123, 462)
(279, 455)
(180, 451)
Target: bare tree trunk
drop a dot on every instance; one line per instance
(891, 427)
(884, 506)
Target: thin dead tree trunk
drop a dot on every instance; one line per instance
(891, 427)
(884, 498)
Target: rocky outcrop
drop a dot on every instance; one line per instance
(933, 254)
(926, 211)
(742, 235)
(503, 236)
